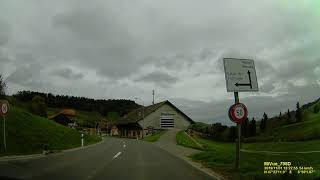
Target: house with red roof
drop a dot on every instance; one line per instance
(65, 117)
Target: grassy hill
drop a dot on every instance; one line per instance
(301, 149)
(28, 134)
(308, 129)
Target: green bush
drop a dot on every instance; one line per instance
(316, 109)
(38, 106)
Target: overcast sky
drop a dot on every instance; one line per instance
(124, 49)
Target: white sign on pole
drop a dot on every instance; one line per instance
(240, 75)
(4, 109)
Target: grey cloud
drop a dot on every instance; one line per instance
(103, 41)
(158, 77)
(68, 74)
(117, 40)
(24, 72)
(4, 32)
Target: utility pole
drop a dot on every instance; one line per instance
(152, 97)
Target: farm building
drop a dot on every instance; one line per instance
(65, 117)
(145, 120)
(108, 127)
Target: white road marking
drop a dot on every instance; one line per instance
(115, 156)
(124, 146)
(273, 152)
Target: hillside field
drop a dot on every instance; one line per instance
(298, 143)
(28, 134)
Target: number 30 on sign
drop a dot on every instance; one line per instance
(238, 113)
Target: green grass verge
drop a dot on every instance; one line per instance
(220, 157)
(184, 140)
(154, 137)
(29, 134)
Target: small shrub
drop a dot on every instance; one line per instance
(316, 109)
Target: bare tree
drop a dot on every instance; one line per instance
(3, 86)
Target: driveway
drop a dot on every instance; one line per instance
(168, 142)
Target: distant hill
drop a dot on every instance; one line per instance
(279, 128)
(121, 106)
(27, 134)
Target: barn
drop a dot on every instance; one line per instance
(146, 120)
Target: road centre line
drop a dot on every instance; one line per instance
(115, 156)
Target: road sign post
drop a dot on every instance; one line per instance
(240, 76)
(4, 110)
(236, 99)
(82, 140)
(4, 133)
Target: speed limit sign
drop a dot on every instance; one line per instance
(4, 107)
(238, 113)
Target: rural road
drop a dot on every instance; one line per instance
(114, 158)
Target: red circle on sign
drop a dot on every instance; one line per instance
(238, 113)
(4, 107)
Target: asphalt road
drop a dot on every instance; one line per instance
(114, 159)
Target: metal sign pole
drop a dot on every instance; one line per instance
(236, 97)
(4, 133)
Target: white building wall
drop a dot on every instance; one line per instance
(154, 118)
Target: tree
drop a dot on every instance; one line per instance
(245, 128)
(232, 134)
(3, 87)
(298, 113)
(263, 124)
(38, 106)
(253, 128)
(280, 114)
(289, 114)
(316, 109)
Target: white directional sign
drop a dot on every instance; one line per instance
(240, 75)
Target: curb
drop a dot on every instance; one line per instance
(21, 157)
(203, 169)
(42, 155)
